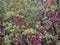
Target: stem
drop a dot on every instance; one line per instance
(54, 29)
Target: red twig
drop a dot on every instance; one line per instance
(55, 19)
(18, 22)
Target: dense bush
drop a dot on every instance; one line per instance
(22, 22)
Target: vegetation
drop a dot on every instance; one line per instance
(22, 22)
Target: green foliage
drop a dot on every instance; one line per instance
(57, 28)
(53, 7)
(29, 31)
(10, 27)
(7, 40)
(10, 14)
